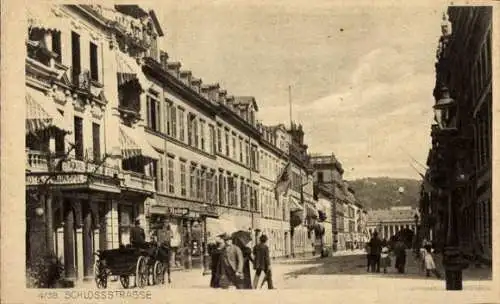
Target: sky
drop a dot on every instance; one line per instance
(361, 77)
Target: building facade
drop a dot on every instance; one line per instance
(464, 74)
(388, 222)
(116, 132)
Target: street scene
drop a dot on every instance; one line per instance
(182, 146)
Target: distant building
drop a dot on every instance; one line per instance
(387, 222)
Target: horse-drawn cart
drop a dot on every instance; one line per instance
(146, 264)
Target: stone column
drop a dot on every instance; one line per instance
(79, 252)
(69, 244)
(49, 222)
(88, 246)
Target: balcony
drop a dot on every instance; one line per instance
(138, 181)
(36, 161)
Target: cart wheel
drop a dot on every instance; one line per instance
(125, 280)
(159, 273)
(141, 272)
(100, 275)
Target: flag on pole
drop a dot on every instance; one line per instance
(283, 182)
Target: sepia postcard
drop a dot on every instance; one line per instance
(230, 151)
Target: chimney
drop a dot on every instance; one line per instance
(196, 84)
(229, 101)
(222, 96)
(163, 59)
(213, 92)
(186, 77)
(173, 68)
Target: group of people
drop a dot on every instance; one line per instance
(378, 255)
(230, 264)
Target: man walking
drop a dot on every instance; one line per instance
(232, 264)
(375, 251)
(262, 263)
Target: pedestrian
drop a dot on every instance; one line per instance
(163, 238)
(215, 256)
(262, 263)
(375, 250)
(400, 253)
(368, 257)
(247, 259)
(385, 260)
(430, 266)
(137, 235)
(231, 264)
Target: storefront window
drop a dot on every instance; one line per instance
(126, 221)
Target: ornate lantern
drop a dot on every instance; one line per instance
(445, 111)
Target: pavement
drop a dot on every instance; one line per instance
(344, 274)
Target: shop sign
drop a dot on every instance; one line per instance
(175, 211)
(61, 179)
(194, 214)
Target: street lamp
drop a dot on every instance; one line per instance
(445, 111)
(416, 233)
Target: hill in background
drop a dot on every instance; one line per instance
(382, 192)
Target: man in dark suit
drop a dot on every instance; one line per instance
(262, 263)
(137, 235)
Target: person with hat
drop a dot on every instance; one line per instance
(137, 235)
(231, 264)
(262, 263)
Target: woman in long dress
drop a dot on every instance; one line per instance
(215, 255)
(247, 258)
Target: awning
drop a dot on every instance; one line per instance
(128, 68)
(294, 205)
(133, 143)
(41, 113)
(311, 211)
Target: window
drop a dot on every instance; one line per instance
(234, 146)
(96, 141)
(192, 181)
(219, 140)
(209, 177)
(192, 130)
(171, 179)
(94, 65)
(160, 183)
(243, 191)
(171, 116)
(125, 220)
(153, 114)
(78, 138)
(320, 176)
(226, 135)
(181, 124)
(241, 150)
(247, 153)
(215, 198)
(211, 138)
(56, 45)
(154, 172)
(75, 56)
(202, 135)
(222, 189)
(201, 184)
(183, 179)
(231, 189)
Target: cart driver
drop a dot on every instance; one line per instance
(137, 235)
(164, 235)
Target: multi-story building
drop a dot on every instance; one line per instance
(325, 203)
(274, 146)
(87, 173)
(460, 161)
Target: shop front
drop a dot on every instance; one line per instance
(187, 221)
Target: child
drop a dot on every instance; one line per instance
(430, 266)
(385, 260)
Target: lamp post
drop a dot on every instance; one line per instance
(445, 111)
(417, 239)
